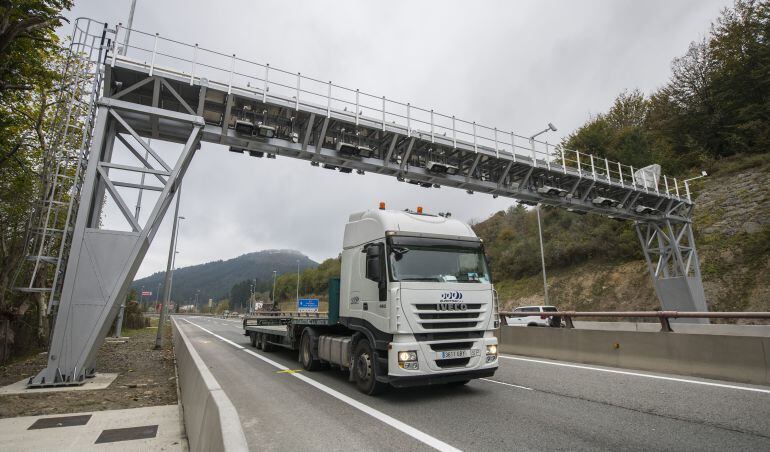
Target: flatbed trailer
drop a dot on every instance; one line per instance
(268, 330)
(283, 329)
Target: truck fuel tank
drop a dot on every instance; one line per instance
(334, 349)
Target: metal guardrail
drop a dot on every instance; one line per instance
(662, 316)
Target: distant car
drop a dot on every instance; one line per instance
(538, 317)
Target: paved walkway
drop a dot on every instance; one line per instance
(148, 428)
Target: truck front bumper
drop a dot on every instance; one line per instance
(436, 379)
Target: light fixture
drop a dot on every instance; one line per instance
(314, 163)
(605, 202)
(294, 136)
(271, 156)
(244, 126)
(345, 170)
(470, 192)
(265, 131)
(550, 128)
(361, 172)
(441, 168)
(259, 154)
(646, 210)
(551, 191)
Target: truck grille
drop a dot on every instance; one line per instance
(440, 317)
(442, 346)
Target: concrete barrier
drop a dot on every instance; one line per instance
(210, 418)
(678, 327)
(736, 358)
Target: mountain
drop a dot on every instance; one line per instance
(214, 279)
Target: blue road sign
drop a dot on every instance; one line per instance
(307, 305)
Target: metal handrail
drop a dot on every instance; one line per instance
(663, 316)
(415, 120)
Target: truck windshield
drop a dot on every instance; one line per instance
(440, 264)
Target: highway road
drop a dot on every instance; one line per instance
(530, 404)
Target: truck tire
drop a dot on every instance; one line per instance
(266, 346)
(364, 370)
(253, 337)
(309, 363)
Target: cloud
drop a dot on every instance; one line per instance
(514, 65)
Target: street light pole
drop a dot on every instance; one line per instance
(169, 272)
(130, 26)
(274, 275)
(550, 128)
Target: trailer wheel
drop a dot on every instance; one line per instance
(306, 353)
(266, 346)
(364, 369)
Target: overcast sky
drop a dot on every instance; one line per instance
(512, 65)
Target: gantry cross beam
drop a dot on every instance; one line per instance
(334, 128)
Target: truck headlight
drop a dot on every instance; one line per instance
(408, 360)
(492, 350)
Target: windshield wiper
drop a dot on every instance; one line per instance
(422, 279)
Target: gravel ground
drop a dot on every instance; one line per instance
(145, 378)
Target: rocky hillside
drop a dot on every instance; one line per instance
(732, 226)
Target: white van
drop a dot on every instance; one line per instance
(538, 317)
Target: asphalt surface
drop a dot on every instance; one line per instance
(530, 404)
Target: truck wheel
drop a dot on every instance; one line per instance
(306, 353)
(364, 370)
(253, 337)
(266, 347)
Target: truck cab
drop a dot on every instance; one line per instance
(418, 287)
(414, 305)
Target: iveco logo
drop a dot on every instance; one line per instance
(450, 301)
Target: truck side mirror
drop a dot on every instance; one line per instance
(373, 267)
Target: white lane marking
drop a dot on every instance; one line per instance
(506, 384)
(216, 335)
(636, 374)
(379, 415)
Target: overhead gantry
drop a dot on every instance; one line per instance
(164, 90)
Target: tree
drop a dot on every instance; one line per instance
(240, 293)
(30, 62)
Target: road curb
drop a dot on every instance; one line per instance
(211, 421)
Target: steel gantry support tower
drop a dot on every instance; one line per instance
(176, 93)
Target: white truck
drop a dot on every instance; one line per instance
(414, 305)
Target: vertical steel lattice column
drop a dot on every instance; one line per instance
(103, 262)
(669, 249)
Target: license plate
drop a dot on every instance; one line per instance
(452, 354)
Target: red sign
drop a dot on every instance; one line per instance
(146, 293)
